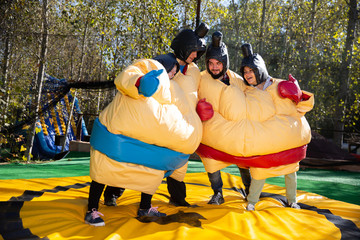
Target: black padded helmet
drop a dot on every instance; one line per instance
(168, 61)
(188, 41)
(217, 50)
(255, 62)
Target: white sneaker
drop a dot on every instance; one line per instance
(250, 207)
(295, 205)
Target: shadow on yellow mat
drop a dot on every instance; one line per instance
(54, 208)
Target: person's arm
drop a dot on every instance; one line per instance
(126, 81)
(204, 110)
(149, 83)
(138, 79)
(290, 89)
(307, 103)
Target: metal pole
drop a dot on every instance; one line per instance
(69, 121)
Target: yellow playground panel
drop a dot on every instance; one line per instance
(54, 208)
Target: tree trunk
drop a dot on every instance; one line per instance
(344, 74)
(100, 73)
(309, 63)
(262, 28)
(141, 34)
(312, 23)
(5, 83)
(185, 15)
(198, 13)
(40, 78)
(288, 30)
(233, 39)
(5, 69)
(78, 80)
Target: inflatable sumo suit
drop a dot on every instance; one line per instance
(186, 42)
(216, 50)
(137, 140)
(251, 127)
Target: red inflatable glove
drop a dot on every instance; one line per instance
(290, 89)
(204, 110)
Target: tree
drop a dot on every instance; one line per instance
(344, 74)
(316, 41)
(40, 77)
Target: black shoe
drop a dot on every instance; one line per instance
(150, 212)
(177, 190)
(110, 201)
(111, 194)
(217, 199)
(182, 203)
(93, 218)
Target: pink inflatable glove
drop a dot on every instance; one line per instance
(290, 89)
(204, 110)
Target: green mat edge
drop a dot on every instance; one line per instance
(77, 164)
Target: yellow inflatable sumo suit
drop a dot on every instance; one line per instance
(188, 46)
(249, 122)
(167, 120)
(190, 81)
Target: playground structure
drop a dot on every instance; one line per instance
(50, 141)
(55, 120)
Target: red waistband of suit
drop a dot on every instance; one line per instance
(289, 156)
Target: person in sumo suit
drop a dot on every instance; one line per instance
(146, 133)
(289, 97)
(188, 46)
(217, 69)
(258, 122)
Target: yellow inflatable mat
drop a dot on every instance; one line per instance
(54, 208)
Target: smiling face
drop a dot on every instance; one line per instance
(249, 75)
(191, 57)
(215, 66)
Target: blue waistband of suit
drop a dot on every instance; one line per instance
(126, 149)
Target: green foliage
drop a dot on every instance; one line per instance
(304, 38)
